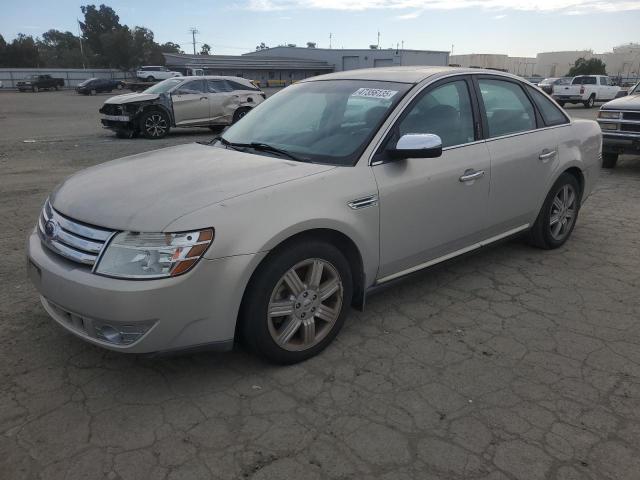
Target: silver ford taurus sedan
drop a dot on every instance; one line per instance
(271, 232)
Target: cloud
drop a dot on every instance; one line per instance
(499, 17)
(572, 7)
(409, 16)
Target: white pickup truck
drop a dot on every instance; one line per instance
(586, 89)
(153, 73)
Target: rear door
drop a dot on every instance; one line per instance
(223, 101)
(191, 104)
(524, 152)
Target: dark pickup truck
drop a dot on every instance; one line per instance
(36, 83)
(619, 120)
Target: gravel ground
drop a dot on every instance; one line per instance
(512, 363)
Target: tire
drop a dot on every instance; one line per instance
(542, 234)
(150, 79)
(57, 88)
(120, 86)
(590, 102)
(94, 91)
(609, 160)
(239, 113)
(125, 133)
(154, 124)
(35, 89)
(268, 289)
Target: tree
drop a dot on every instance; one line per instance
(206, 49)
(97, 24)
(262, 46)
(593, 66)
(22, 52)
(170, 47)
(59, 49)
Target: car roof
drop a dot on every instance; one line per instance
(215, 77)
(413, 74)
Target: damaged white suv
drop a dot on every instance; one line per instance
(210, 101)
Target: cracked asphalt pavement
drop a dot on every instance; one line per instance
(512, 363)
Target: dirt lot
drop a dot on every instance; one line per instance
(513, 363)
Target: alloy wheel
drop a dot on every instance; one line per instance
(155, 125)
(305, 304)
(563, 212)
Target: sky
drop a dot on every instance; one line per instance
(513, 27)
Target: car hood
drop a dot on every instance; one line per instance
(630, 102)
(148, 191)
(132, 97)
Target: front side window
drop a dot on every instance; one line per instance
(329, 121)
(444, 111)
(507, 107)
(603, 81)
(551, 114)
(192, 87)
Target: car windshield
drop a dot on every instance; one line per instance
(323, 121)
(635, 90)
(164, 86)
(85, 82)
(548, 81)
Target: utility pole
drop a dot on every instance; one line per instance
(193, 36)
(84, 67)
(378, 45)
(402, 44)
(330, 37)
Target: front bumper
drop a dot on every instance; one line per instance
(621, 143)
(198, 309)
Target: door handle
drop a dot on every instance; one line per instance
(546, 155)
(471, 174)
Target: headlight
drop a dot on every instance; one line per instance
(153, 255)
(611, 115)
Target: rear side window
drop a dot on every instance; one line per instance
(551, 114)
(240, 86)
(584, 81)
(218, 86)
(507, 107)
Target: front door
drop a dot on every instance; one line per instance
(191, 104)
(431, 207)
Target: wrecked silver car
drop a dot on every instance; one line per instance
(209, 101)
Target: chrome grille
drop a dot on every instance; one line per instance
(76, 241)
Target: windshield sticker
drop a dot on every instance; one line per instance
(374, 93)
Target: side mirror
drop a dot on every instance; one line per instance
(417, 145)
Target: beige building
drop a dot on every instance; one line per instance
(518, 65)
(623, 61)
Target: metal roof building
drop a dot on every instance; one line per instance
(350, 59)
(262, 69)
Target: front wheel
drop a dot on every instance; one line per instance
(154, 124)
(609, 160)
(94, 91)
(559, 213)
(150, 79)
(297, 302)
